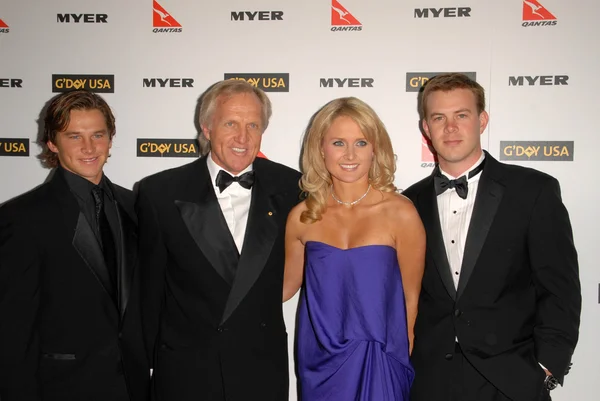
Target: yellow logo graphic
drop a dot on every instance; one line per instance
(167, 148)
(541, 150)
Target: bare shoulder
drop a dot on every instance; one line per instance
(295, 213)
(398, 208)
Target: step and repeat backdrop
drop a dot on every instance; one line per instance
(151, 60)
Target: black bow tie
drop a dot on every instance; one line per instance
(442, 183)
(224, 179)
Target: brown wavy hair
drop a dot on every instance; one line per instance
(58, 117)
(316, 180)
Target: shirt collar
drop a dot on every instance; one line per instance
(466, 173)
(82, 187)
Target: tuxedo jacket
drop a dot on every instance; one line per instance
(208, 338)
(518, 299)
(62, 335)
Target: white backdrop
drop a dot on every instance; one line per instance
(383, 43)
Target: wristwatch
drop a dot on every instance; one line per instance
(550, 382)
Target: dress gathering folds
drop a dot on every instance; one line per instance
(352, 341)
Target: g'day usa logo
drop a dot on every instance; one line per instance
(342, 20)
(535, 14)
(167, 147)
(3, 27)
(14, 146)
(162, 21)
(94, 83)
(266, 82)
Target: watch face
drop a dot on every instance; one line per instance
(551, 382)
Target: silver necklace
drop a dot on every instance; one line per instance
(341, 202)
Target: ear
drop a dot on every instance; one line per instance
(52, 147)
(426, 128)
(110, 142)
(205, 132)
(484, 118)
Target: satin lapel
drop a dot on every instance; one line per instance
(204, 220)
(489, 195)
(127, 256)
(84, 240)
(87, 246)
(435, 241)
(261, 233)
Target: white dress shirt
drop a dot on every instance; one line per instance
(234, 202)
(455, 215)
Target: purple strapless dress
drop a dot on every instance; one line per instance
(352, 341)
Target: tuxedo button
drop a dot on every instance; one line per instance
(457, 313)
(449, 357)
(263, 325)
(220, 329)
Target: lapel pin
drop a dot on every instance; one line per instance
(270, 213)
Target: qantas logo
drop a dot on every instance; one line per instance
(342, 20)
(535, 14)
(3, 27)
(162, 21)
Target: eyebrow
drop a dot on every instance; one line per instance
(103, 131)
(463, 110)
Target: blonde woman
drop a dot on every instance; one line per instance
(357, 249)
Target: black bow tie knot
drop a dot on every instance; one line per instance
(224, 179)
(442, 183)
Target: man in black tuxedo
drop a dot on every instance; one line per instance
(500, 301)
(212, 244)
(69, 326)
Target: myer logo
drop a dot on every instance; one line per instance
(537, 150)
(167, 147)
(346, 82)
(85, 18)
(446, 12)
(14, 146)
(542, 80)
(257, 15)
(266, 82)
(168, 82)
(415, 80)
(94, 83)
(11, 83)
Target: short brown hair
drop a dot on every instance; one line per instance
(448, 82)
(58, 117)
(228, 88)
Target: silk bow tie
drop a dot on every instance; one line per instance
(442, 183)
(224, 179)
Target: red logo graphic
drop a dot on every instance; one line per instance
(341, 17)
(426, 154)
(3, 24)
(534, 11)
(161, 18)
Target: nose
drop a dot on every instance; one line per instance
(451, 126)
(87, 146)
(350, 153)
(242, 135)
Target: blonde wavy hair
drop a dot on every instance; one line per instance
(316, 180)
